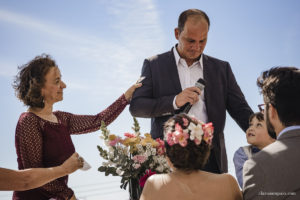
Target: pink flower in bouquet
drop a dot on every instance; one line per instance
(145, 177)
(115, 141)
(139, 158)
(136, 166)
(130, 135)
(161, 146)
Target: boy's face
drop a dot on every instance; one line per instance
(257, 134)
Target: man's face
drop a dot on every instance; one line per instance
(192, 39)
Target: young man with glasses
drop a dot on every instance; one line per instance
(274, 173)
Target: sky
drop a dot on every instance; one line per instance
(100, 46)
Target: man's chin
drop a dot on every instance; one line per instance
(194, 56)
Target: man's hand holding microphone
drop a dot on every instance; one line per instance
(190, 96)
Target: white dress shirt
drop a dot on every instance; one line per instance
(188, 76)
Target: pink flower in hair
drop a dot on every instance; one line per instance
(178, 128)
(181, 137)
(161, 146)
(170, 139)
(208, 130)
(197, 142)
(185, 122)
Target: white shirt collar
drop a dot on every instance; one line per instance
(177, 57)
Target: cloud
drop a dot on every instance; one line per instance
(136, 25)
(8, 69)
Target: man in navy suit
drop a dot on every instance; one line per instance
(169, 85)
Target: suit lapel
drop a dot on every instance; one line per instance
(172, 68)
(207, 73)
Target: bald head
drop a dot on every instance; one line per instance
(194, 15)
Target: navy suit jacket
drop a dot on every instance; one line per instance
(155, 98)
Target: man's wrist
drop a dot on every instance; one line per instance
(174, 103)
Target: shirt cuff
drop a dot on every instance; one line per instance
(174, 103)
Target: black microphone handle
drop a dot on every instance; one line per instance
(199, 84)
(187, 108)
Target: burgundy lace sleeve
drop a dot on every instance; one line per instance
(79, 124)
(29, 145)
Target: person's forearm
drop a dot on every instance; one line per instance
(39, 176)
(28, 178)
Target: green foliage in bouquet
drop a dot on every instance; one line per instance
(133, 156)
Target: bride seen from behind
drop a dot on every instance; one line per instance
(188, 144)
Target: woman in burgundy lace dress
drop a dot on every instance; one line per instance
(43, 135)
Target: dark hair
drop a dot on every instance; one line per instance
(258, 115)
(280, 87)
(30, 80)
(188, 13)
(191, 157)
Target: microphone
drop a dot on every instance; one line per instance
(199, 84)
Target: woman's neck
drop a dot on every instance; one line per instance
(178, 172)
(47, 110)
(45, 113)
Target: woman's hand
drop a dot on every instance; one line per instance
(128, 94)
(73, 163)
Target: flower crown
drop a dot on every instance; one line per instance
(198, 132)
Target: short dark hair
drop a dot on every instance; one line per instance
(188, 13)
(258, 115)
(280, 87)
(30, 80)
(191, 157)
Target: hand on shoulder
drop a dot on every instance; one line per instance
(128, 94)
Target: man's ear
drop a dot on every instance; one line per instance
(177, 32)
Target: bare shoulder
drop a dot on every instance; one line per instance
(158, 179)
(153, 180)
(232, 186)
(153, 187)
(225, 178)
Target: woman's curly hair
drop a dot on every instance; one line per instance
(30, 80)
(191, 157)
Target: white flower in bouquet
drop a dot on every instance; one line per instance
(132, 157)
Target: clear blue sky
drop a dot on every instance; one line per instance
(100, 47)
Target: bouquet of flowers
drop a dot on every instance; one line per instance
(133, 157)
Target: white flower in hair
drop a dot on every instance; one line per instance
(196, 132)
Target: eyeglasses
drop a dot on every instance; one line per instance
(261, 107)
